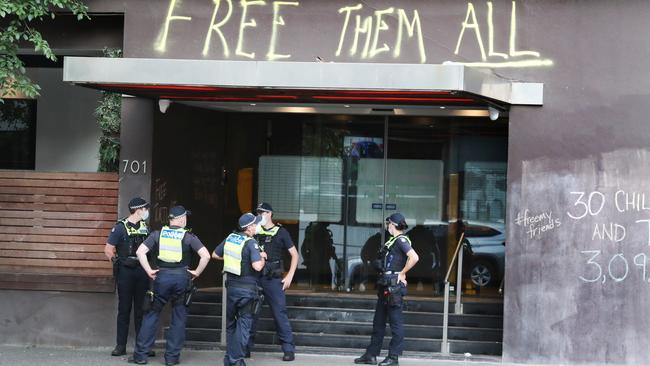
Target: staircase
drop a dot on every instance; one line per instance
(342, 321)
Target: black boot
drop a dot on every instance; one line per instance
(120, 350)
(389, 361)
(366, 359)
(288, 356)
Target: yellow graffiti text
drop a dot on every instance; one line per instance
(410, 31)
(246, 24)
(161, 45)
(471, 22)
(372, 26)
(216, 28)
(277, 21)
(474, 26)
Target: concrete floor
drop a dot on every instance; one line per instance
(28, 356)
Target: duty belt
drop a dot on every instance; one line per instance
(388, 273)
(176, 270)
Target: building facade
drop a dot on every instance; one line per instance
(559, 182)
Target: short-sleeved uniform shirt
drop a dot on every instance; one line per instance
(397, 258)
(282, 238)
(250, 253)
(119, 236)
(190, 243)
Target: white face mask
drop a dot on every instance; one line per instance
(258, 228)
(145, 215)
(263, 222)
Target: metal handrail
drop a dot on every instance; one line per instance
(458, 307)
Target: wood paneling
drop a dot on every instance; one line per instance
(53, 227)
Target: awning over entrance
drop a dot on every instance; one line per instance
(257, 83)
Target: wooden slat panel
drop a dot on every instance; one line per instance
(32, 198)
(81, 248)
(40, 277)
(22, 285)
(26, 174)
(53, 239)
(51, 183)
(52, 231)
(53, 228)
(59, 191)
(59, 207)
(57, 270)
(49, 254)
(57, 223)
(59, 215)
(55, 263)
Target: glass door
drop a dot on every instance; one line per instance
(447, 176)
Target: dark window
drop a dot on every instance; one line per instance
(17, 134)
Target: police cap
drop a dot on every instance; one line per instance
(264, 207)
(248, 219)
(178, 211)
(398, 220)
(137, 202)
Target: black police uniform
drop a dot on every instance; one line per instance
(170, 286)
(392, 259)
(132, 281)
(274, 241)
(243, 300)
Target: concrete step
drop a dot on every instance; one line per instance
(203, 336)
(363, 315)
(492, 307)
(355, 328)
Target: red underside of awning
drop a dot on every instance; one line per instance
(297, 96)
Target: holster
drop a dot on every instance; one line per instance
(149, 298)
(189, 293)
(254, 306)
(116, 268)
(393, 295)
(273, 269)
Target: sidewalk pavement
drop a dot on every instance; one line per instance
(28, 356)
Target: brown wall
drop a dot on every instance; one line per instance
(590, 135)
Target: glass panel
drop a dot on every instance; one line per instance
(314, 181)
(443, 172)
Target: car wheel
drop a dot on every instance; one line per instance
(482, 273)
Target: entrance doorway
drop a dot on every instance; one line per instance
(332, 179)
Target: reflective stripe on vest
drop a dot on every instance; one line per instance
(270, 233)
(141, 230)
(171, 245)
(232, 250)
(389, 246)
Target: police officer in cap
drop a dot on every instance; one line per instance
(173, 246)
(131, 279)
(242, 265)
(274, 240)
(396, 258)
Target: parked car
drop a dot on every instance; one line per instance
(487, 252)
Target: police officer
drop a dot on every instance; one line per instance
(131, 279)
(242, 265)
(173, 246)
(274, 240)
(396, 258)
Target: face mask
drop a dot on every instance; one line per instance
(263, 222)
(145, 215)
(258, 228)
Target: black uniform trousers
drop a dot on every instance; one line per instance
(239, 320)
(383, 312)
(132, 283)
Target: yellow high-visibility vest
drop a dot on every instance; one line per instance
(171, 244)
(232, 250)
